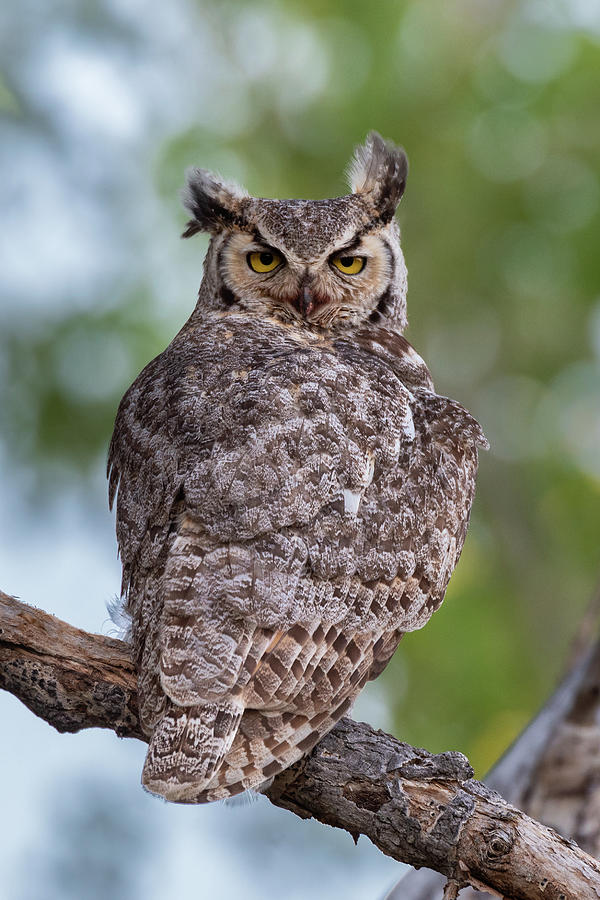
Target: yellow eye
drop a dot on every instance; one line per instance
(263, 260)
(349, 265)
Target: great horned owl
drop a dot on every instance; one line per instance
(292, 493)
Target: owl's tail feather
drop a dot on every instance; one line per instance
(265, 745)
(187, 746)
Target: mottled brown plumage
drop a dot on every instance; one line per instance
(292, 494)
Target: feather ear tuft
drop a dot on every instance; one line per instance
(213, 203)
(378, 171)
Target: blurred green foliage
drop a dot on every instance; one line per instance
(497, 105)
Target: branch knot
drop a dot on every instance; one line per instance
(497, 845)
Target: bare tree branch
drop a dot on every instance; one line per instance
(70, 678)
(419, 808)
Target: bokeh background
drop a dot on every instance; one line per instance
(103, 104)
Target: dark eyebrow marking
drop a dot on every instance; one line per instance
(372, 226)
(355, 243)
(257, 236)
(348, 248)
(260, 239)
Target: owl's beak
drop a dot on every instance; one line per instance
(305, 302)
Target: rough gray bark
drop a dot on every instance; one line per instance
(416, 807)
(552, 771)
(66, 676)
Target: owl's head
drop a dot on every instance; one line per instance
(327, 264)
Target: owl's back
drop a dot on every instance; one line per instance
(288, 506)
